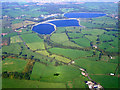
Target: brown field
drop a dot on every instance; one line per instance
(19, 25)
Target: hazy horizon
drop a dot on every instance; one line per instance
(60, 1)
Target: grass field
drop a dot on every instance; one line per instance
(19, 25)
(84, 42)
(13, 48)
(43, 52)
(60, 30)
(106, 81)
(46, 73)
(75, 35)
(91, 37)
(33, 41)
(60, 58)
(96, 67)
(61, 38)
(93, 31)
(71, 53)
(13, 65)
(16, 83)
(15, 39)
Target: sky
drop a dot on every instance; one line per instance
(60, 0)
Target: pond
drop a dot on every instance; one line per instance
(83, 15)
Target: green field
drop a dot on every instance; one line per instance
(75, 35)
(13, 48)
(46, 73)
(106, 81)
(84, 42)
(70, 52)
(33, 41)
(96, 67)
(13, 65)
(93, 31)
(60, 58)
(61, 38)
(16, 83)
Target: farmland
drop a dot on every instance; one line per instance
(66, 58)
(71, 53)
(33, 43)
(13, 65)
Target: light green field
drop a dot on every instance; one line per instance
(61, 38)
(33, 41)
(84, 42)
(74, 35)
(15, 83)
(91, 37)
(15, 39)
(60, 58)
(60, 29)
(13, 48)
(73, 29)
(46, 73)
(71, 53)
(36, 45)
(96, 67)
(43, 52)
(106, 81)
(93, 31)
(13, 65)
(30, 38)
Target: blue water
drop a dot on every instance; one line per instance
(83, 15)
(44, 28)
(65, 23)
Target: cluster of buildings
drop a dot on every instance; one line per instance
(93, 85)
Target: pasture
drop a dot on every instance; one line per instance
(47, 73)
(13, 65)
(60, 58)
(15, 39)
(84, 42)
(16, 83)
(96, 67)
(106, 81)
(33, 41)
(61, 38)
(13, 48)
(70, 53)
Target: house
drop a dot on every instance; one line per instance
(3, 34)
(94, 46)
(73, 61)
(112, 74)
(82, 69)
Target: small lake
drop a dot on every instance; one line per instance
(83, 15)
(43, 28)
(65, 23)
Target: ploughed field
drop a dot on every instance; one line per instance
(53, 60)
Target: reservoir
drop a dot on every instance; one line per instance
(83, 15)
(43, 28)
(65, 23)
(50, 26)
